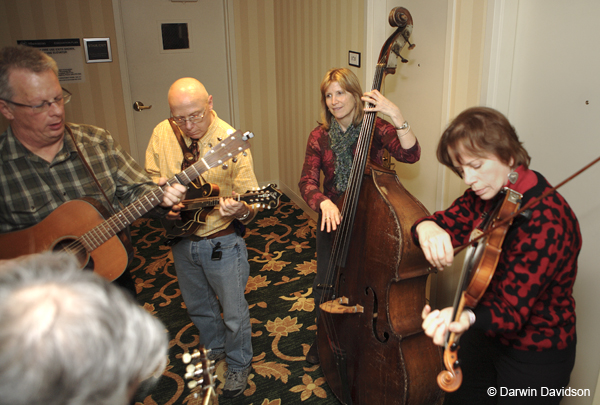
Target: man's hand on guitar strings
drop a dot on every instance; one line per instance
(172, 195)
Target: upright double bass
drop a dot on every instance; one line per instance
(371, 345)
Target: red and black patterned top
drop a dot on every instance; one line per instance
(319, 156)
(529, 305)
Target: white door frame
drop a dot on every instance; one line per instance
(501, 33)
(124, 68)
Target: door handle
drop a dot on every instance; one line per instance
(139, 106)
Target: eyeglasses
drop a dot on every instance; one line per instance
(45, 106)
(194, 118)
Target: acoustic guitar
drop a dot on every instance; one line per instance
(200, 201)
(79, 226)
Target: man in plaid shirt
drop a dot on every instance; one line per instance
(39, 165)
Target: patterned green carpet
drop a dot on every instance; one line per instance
(281, 251)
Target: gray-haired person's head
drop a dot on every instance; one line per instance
(68, 336)
(25, 58)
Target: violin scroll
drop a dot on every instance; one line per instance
(450, 379)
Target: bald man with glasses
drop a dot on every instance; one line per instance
(212, 263)
(40, 166)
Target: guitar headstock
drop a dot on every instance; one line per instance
(200, 371)
(235, 143)
(266, 197)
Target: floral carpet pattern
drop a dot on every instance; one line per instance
(281, 252)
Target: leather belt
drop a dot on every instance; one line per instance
(227, 231)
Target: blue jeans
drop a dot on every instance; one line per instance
(206, 283)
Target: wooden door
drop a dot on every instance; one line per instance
(155, 33)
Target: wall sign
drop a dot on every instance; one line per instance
(66, 53)
(97, 50)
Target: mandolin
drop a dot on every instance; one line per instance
(200, 201)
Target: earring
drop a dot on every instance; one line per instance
(513, 177)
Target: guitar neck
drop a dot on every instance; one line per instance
(230, 147)
(122, 219)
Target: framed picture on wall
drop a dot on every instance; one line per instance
(97, 50)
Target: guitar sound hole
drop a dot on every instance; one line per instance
(72, 246)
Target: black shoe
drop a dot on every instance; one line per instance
(235, 382)
(312, 356)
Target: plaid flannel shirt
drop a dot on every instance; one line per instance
(31, 188)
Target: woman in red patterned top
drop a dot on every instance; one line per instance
(331, 147)
(518, 345)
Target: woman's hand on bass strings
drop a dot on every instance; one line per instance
(330, 216)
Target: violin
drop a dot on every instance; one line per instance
(479, 266)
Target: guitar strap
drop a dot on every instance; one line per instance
(90, 171)
(189, 157)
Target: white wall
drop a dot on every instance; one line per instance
(548, 85)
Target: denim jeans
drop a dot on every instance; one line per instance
(206, 283)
